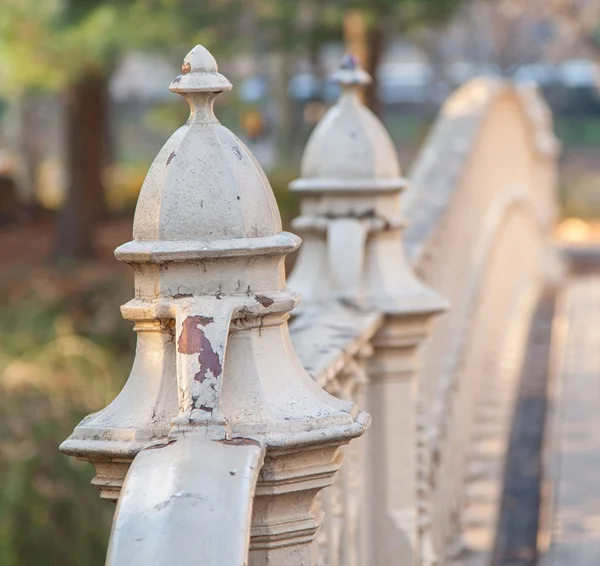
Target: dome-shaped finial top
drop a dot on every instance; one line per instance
(349, 149)
(350, 72)
(204, 184)
(199, 73)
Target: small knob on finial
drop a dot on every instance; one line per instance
(199, 73)
(350, 72)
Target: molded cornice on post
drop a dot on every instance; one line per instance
(350, 211)
(214, 357)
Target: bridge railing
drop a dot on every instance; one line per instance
(481, 205)
(224, 445)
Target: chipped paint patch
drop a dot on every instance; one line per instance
(237, 152)
(193, 341)
(171, 156)
(184, 495)
(264, 301)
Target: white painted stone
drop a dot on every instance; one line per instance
(214, 364)
(480, 206)
(353, 254)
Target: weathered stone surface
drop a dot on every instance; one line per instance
(352, 272)
(226, 437)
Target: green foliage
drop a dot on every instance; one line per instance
(406, 14)
(63, 353)
(47, 43)
(578, 131)
(290, 24)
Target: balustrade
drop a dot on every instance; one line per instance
(225, 443)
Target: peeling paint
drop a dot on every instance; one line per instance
(264, 301)
(186, 495)
(237, 152)
(194, 341)
(206, 242)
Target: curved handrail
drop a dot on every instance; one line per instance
(451, 141)
(448, 170)
(164, 507)
(492, 229)
(193, 482)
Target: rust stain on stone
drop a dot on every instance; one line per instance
(171, 156)
(264, 301)
(194, 341)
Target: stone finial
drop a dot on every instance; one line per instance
(204, 183)
(351, 217)
(350, 73)
(199, 73)
(349, 149)
(210, 310)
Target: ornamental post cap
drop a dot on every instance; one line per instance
(349, 150)
(199, 73)
(350, 72)
(205, 184)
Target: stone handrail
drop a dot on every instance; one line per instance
(481, 205)
(231, 425)
(454, 181)
(326, 340)
(451, 143)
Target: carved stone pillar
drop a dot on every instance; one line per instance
(394, 444)
(214, 364)
(353, 253)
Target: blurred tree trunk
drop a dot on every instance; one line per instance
(86, 115)
(30, 147)
(375, 53)
(285, 109)
(369, 46)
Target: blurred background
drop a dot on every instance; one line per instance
(85, 107)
